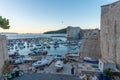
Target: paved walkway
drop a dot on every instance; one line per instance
(39, 76)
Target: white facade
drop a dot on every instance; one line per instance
(3, 52)
(105, 64)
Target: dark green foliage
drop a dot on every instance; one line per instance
(61, 31)
(4, 23)
(108, 72)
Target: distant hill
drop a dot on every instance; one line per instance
(61, 31)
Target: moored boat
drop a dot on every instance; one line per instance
(59, 64)
(90, 60)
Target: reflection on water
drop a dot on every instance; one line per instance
(62, 49)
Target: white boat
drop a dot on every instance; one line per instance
(90, 60)
(27, 59)
(40, 63)
(11, 53)
(43, 62)
(59, 64)
(19, 61)
(73, 55)
(49, 60)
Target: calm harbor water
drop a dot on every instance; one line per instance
(20, 36)
(59, 50)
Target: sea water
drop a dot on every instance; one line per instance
(59, 50)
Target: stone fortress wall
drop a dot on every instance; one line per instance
(73, 32)
(110, 32)
(3, 52)
(91, 44)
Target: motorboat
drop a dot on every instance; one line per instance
(58, 56)
(11, 54)
(40, 63)
(32, 54)
(36, 51)
(65, 44)
(28, 59)
(90, 60)
(59, 64)
(73, 55)
(19, 61)
(48, 46)
(43, 62)
(55, 46)
(49, 60)
(38, 44)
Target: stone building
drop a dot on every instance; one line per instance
(73, 32)
(3, 52)
(91, 44)
(110, 32)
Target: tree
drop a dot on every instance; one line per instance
(4, 23)
(108, 73)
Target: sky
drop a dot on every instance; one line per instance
(38, 16)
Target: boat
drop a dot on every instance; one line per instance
(40, 63)
(90, 60)
(58, 56)
(82, 77)
(73, 43)
(55, 46)
(28, 59)
(48, 46)
(19, 61)
(49, 60)
(43, 62)
(11, 54)
(65, 44)
(59, 64)
(73, 55)
(38, 44)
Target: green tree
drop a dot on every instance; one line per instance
(108, 72)
(4, 23)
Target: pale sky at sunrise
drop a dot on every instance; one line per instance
(37, 16)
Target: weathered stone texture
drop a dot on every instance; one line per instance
(91, 44)
(73, 32)
(3, 52)
(110, 31)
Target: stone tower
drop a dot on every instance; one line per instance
(91, 44)
(73, 32)
(110, 31)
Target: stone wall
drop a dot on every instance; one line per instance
(110, 31)
(3, 52)
(73, 32)
(91, 44)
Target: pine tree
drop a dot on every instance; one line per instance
(4, 23)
